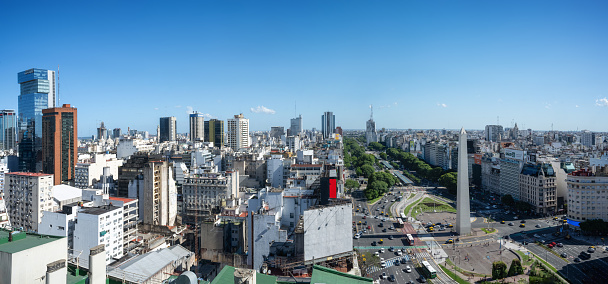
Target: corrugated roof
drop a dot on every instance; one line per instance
(326, 275)
(150, 263)
(226, 276)
(65, 192)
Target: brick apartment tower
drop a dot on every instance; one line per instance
(60, 142)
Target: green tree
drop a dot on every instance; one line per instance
(351, 184)
(508, 200)
(380, 186)
(365, 170)
(499, 270)
(435, 174)
(449, 180)
(376, 146)
(383, 156)
(594, 226)
(516, 268)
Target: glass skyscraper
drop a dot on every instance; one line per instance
(37, 93)
(8, 130)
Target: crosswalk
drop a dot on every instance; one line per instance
(391, 262)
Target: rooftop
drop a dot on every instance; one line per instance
(326, 275)
(65, 192)
(226, 276)
(29, 174)
(125, 200)
(23, 241)
(98, 210)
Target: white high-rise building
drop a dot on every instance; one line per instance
(328, 124)
(588, 194)
(100, 225)
(238, 132)
(296, 125)
(27, 195)
(197, 127)
(370, 130)
(493, 133)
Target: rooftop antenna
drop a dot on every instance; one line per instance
(497, 120)
(371, 116)
(57, 101)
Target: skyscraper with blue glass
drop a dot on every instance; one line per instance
(37, 93)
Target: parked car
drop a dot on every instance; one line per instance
(408, 269)
(577, 260)
(564, 255)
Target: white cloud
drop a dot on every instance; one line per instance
(155, 108)
(262, 109)
(547, 105)
(576, 106)
(395, 103)
(178, 106)
(442, 105)
(189, 110)
(601, 102)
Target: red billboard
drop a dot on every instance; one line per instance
(332, 188)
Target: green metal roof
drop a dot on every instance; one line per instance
(226, 276)
(23, 241)
(326, 275)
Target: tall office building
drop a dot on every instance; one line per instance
(238, 132)
(296, 126)
(328, 124)
(214, 132)
(8, 130)
(60, 142)
(197, 125)
(116, 133)
(494, 133)
(370, 129)
(37, 93)
(168, 129)
(102, 132)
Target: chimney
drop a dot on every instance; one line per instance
(97, 265)
(56, 272)
(10, 236)
(244, 276)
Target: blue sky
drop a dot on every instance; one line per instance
(422, 64)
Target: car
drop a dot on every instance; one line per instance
(381, 241)
(374, 243)
(403, 251)
(511, 224)
(559, 245)
(515, 218)
(384, 230)
(537, 226)
(381, 225)
(391, 228)
(386, 215)
(550, 246)
(397, 263)
(449, 241)
(399, 253)
(524, 243)
(577, 260)
(392, 278)
(564, 255)
(522, 225)
(502, 222)
(591, 249)
(381, 250)
(403, 261)
(390, 237)
(408, 269)
(383, 276)
(411, 282)
(377, 254)
(376, 217)
(422, 279)
(356, 236)
(391, 249)
(369, 227)
(377, 209)
(364, 217)
(584, 255)
(522, 221)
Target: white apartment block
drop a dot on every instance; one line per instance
(238, 132)
(92, 169)
(100, 225)
(130, 217)
(204, 194)
(588, 194)
(27, 195)
(129, 146)
(537, 186)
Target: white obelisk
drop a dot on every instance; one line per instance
(463, 208)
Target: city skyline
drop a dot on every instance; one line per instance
(537, 64)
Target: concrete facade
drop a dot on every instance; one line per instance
(100, 225)
(27, 196)
(463, 207)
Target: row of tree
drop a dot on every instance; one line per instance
(499, 269)
(378, 183)
(424, 170)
